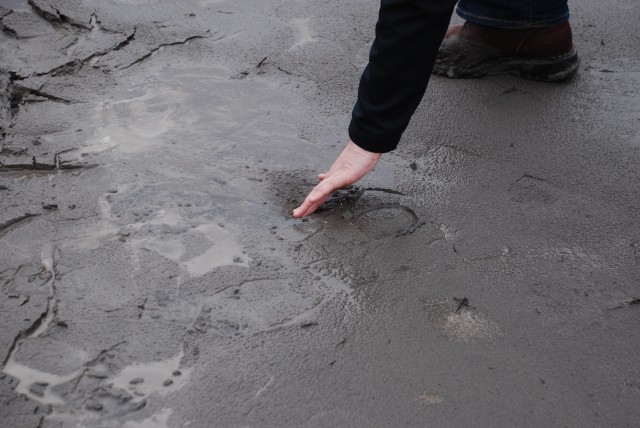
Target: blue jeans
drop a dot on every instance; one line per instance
(514, 14)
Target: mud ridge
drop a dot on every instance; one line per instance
(6, 93)
(4, 12)
(46, 317)
(384, 190)
(57, 164)
(125, 42)
(25, 334)
(530, 177)
(57, 18)
(8, 30)
(20, 92)
(148, 55)
(76, 65)
(10, 278)
(15, 222)
(93, 361)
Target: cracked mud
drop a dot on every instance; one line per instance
(151, 274)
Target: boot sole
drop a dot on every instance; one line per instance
(554, 69)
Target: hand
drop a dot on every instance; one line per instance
(352, 164)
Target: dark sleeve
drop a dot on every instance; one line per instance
(408, 34)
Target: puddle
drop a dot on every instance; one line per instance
(170, 217)
(183, 147)
(158, 420)
(224, 251)
(181, 238)
(96, 393)
(171, 248)
(188, 110)
(47, 264)
(160, 377)
(178, 241)
(139, 124)
(35, 384)
(93, 237)
(31, 382)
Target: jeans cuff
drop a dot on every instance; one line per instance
(509, 23)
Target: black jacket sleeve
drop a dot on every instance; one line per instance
(408, 34)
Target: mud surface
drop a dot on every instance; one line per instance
(487, 273)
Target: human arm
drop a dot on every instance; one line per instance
(408, 34)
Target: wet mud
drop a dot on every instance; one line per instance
(151, 274)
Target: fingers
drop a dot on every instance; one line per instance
(301, 211)
(315, 206)
(318, 195)
(304, 208)
(308, 207)
(322, 176)
(322, 190)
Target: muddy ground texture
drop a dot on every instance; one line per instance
(486, 274)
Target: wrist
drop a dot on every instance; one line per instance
(356, 149)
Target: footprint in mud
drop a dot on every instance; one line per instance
(387, 221)
(345, 198)
(267, 304)
(377, 220)
(532, 190)
(375, 211)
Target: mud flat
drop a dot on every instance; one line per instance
(487, 273)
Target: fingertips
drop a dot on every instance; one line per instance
(301, 211)
(318, 195)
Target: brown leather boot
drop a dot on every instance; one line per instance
(472, 50)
